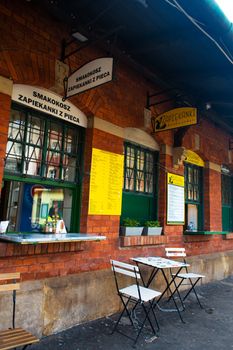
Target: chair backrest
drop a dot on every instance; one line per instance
(175, 252)
(125, 269)
(8, 282)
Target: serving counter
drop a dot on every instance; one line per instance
(36, 238)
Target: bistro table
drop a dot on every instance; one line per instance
(162, 264)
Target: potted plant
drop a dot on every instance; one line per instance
(152, 228)
(130, 227)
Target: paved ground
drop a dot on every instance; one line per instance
(205, 329)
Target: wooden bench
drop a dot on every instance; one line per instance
(13, 337)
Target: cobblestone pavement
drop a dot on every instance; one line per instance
(208, 328)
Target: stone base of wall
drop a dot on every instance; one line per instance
(51, 305)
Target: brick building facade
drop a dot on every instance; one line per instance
(67, 280)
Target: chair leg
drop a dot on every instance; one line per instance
(153, 312)
(192, 288)
(124, 310)
(147, 317)
(177, 291)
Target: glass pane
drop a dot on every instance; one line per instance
(31, 207)
(190, 175)
(53, 165)
(32, 163)
(192, 217)
(13, 156)
(140, 181)
(140, 160)
(149, 183)
(69, 168)
(55, 137)
(71, 141)
(35, 131)
(129, 179)
(130, 157)
(16, 126)
(190, 191)
(14, 147)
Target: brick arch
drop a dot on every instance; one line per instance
(91, 102)
(28, 67)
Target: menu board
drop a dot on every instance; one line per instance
(175, 199)
(106, 183)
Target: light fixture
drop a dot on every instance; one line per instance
(80, 37)
(227, 8)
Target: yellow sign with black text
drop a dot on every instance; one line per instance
(106, 183)
(176, 180)
(176, 118)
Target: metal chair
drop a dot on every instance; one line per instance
(134, 296)
(191, 278)
(13, 338)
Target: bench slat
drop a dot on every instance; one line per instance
(12, 338)
(8, 287)
(9, 276)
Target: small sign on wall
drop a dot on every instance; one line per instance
(92, 74)
(175, 118)
(175, 199)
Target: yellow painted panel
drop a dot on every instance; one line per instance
(193, 158)
(176, 180)
(106, 183)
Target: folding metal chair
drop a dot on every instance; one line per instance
(191, 278)
(133, 296)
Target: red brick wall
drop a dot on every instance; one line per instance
(30, 44)
(5, 103)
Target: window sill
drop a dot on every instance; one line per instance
(38, 238)
(228, 235)
(191, 233)
(131, 241)
(11, 248)
(201, 236)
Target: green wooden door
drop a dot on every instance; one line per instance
(139, 200)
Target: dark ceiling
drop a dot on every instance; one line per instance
(164, 39)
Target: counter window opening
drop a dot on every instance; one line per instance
(227, 199)
(193, 198)
(42, 170)
(139, 200)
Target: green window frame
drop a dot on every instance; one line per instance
(227, 202)
(139, 170)
(193, 197)
(46, 151)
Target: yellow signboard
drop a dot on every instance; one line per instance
(176, 180)
(106, 183)
(175, 118)
(193, 158)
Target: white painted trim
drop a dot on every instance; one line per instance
(48, 102)
(213, 166)
(130, 134)
(140, 137)
(108, 127)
